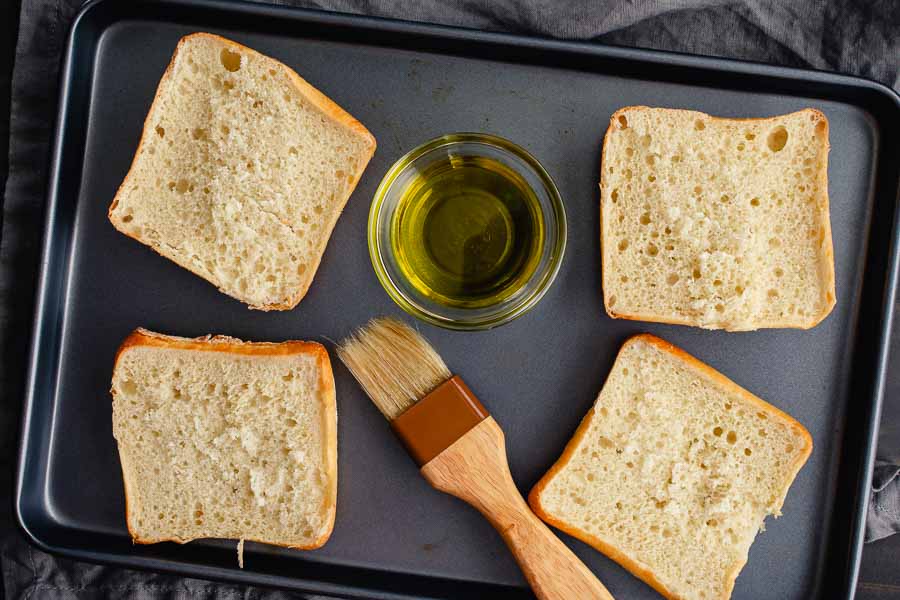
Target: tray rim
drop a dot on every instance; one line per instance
(40, 345)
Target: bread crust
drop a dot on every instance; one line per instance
(826, 266)
(323, 103)
(141, 337)
(704, 370)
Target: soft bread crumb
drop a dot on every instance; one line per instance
(224, 439)
(242, 171)
(673, 471)
(717, 223)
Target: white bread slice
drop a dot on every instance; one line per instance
(673, 471)
(716, 223)
(242, 171)
(220, 438)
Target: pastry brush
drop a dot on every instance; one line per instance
(460, 449)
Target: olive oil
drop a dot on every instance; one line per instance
(467, 231)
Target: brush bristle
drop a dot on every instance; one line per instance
(393, 363)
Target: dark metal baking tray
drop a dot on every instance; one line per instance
(395, 537)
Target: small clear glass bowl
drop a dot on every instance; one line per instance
(387, 199)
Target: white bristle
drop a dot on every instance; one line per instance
(393, 363)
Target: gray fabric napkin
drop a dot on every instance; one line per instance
(859, 38)
(884, 507)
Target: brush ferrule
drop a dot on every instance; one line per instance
(432, 424)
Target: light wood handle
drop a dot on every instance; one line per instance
(475, 469)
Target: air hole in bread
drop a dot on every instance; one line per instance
(779, 272)
(199, 134)
(652, 250)
(774, 242)
(720, 308)
(731, 437)
(699, 125)
(612, 301)
(230, 60)
(724, 198)
(629, 152)
(747, 451)
(740, 147)
(127, 219)
(645, 140)
(614, 196)
(698, 190)
(777, 139)
(318, 209)
(161, 132)
(651, 178)
(749, 136)
(696, 273)
(773, 293)
(754, 202)
(623, 122)
(293, 150)
(645, 218)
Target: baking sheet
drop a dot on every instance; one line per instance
(395, 536)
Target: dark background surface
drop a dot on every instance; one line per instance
(880, 577)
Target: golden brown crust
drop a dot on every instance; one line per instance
(645, 574)
(827, 266)
(534, 501)
(315, 97)
(219, 343)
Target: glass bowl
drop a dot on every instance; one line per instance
(517, 301)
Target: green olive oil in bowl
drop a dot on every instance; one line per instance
(467, 231)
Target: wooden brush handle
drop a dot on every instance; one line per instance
(475, 469)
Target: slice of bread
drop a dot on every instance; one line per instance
(716, 223)
(673, 471)
(242, 171)
(220, 438)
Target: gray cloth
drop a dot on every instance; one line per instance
(884, 508)
(860, 38)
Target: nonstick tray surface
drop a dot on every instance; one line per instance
(394, 536)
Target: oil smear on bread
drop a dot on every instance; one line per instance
(717, 223)
(242, 171)
(220, 438)
(673, 471)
